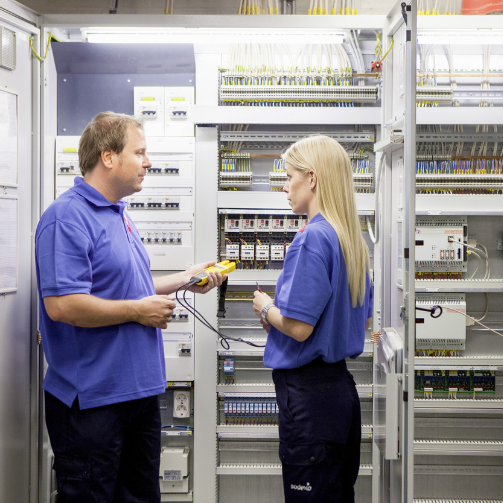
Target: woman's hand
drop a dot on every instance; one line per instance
(260, 300)
(265, 326)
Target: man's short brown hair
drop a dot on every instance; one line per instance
(107, 131)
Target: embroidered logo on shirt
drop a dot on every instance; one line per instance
(307, 487)
(127, 222)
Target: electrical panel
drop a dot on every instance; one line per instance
(445, 333)
(258, 241)
(174, 470)
(251, 160)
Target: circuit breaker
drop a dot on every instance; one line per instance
(67, 162)
(178, 104)
(174, 470)
(149, 104)
(178, 341)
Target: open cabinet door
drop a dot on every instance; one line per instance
(394, 367)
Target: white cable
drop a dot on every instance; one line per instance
(486, 276)
(374, 236)
(471, 318)
(479, 261)
(488, 267)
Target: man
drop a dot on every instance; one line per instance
(101, 315)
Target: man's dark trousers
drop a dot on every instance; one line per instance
(108, 454)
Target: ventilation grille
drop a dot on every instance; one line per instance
(7, 49)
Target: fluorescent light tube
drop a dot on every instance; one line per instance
(212, 36)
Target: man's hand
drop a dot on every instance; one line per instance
(154, 311)
(214, 278)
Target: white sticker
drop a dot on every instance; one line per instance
(172, 475)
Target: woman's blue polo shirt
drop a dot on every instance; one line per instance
(85, 244)
(313, 287)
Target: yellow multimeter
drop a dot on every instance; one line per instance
(224, 267)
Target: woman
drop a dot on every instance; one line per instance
(322, 306)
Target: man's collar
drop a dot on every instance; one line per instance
(93, 196)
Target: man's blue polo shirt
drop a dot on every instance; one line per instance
(86, 245)
(313, 288)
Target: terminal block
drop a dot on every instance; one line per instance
(250, 409)
(459, 182)
(277, 179)
(246, 94)
(238, 179)
(363, 181)
(438, 94)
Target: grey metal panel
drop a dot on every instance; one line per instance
(16, 341)
(93, 78)
(161, 59)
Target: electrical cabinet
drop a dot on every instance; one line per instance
(427, 170)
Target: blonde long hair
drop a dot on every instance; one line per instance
(336, 201)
